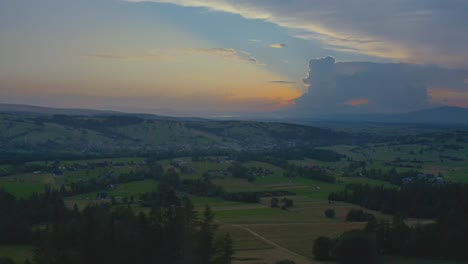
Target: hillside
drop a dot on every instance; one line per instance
(116, 133)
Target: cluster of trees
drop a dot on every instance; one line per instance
(419, 200)
(284, 203)
(171, 232)
(18, 217)
(444, 239)
(250, 174)
(358, 215)
(204, 187)
(242, 172)
(313, 173)
(447, 204)
(279, 157)
(441, 240)
(359, 169)
(350, 248)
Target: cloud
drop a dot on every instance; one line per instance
(282, 82)
(377, 87)
(277, 46)
(144, 56)
(227, 53)
(172, 54)
(417, 31)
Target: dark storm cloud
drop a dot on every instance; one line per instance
(377, 87)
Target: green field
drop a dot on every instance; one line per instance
(261, 234)
(18, 253)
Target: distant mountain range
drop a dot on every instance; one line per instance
(39, 110)
(440, 115)
(45, 111)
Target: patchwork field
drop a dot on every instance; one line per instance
(261, 234)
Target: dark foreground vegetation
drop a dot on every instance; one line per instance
(445, 238)
(172, 232)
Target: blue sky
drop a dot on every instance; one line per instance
(207, 57)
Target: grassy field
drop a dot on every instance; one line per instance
(18, 253)
(261, 234)
(122, 190)
(401, 260)
(434, 158)
(24, 185)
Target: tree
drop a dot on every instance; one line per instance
(356, 247)
(6, 261)
(206, 236)
(330, 213)
(355, 215)
(288, 202)
(322, 248)
(274, 202)
(285, 261)
(225, 250)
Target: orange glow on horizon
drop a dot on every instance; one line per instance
(269, 98)
(357, 102)
(449, 97)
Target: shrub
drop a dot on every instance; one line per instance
(322, 248)
(330, 213)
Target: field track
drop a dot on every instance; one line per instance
(273, 244)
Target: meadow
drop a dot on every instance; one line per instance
(261, 234)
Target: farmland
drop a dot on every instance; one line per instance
(261, 233)
(257, 229)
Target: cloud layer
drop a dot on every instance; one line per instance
(416, 31)
(172, 54)
(278, 45)
(376, 87)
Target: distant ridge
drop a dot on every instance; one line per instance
(445, 115)
(440, 115)
(40, 110)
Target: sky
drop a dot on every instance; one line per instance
(235, 57)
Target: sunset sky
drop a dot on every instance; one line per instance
(227, 57)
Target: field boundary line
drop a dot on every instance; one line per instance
(268, 241)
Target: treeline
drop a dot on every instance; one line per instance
(204, 187)
(447, 204)
(280, 159)
(443, 240)
(391, 176)
(169, 179)
(109, 180)
(313, 173)
(280, 156)
(170, 233)
(359, 169)
(419, 200)
(18, 217)
(354, 247)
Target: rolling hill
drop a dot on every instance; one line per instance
(116, 133)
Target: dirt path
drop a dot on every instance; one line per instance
(273, 244)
